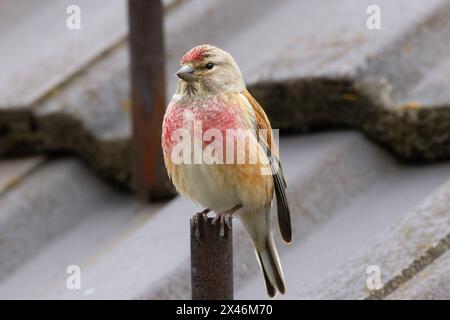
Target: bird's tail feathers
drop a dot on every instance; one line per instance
(258, 227)
(271, 268)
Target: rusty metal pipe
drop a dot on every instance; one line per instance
(211, 262)
(146, 42)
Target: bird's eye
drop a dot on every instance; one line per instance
(209, 65)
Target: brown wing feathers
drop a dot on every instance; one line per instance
(284, 215)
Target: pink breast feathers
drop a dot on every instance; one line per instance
(210, 115)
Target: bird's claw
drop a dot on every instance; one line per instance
(224, 218)
(196, 221)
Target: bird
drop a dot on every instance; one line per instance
(211, 91)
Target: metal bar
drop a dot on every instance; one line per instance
(148, 98)
(211, 262)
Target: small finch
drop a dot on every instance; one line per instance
(211, 92)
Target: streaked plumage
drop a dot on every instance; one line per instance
(217, 97)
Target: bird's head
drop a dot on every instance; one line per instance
(208, 70)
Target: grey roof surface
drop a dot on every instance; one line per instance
(313, 65)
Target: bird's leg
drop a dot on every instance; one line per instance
(196, 220)
(224, 218)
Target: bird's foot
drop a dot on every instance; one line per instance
(196, 221)
(224, 218)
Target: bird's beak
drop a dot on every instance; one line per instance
(185, 72)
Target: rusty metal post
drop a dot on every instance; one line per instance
(148, 97)
(211, 262)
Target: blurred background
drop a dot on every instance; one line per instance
(358, 89)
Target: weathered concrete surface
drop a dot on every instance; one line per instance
(12, 171)
(344, 76)
(401, 251)
(30, 69)
(430, 284)
(49, 202)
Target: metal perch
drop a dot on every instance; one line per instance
(211, 262)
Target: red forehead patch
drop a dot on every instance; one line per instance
(195, 54)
